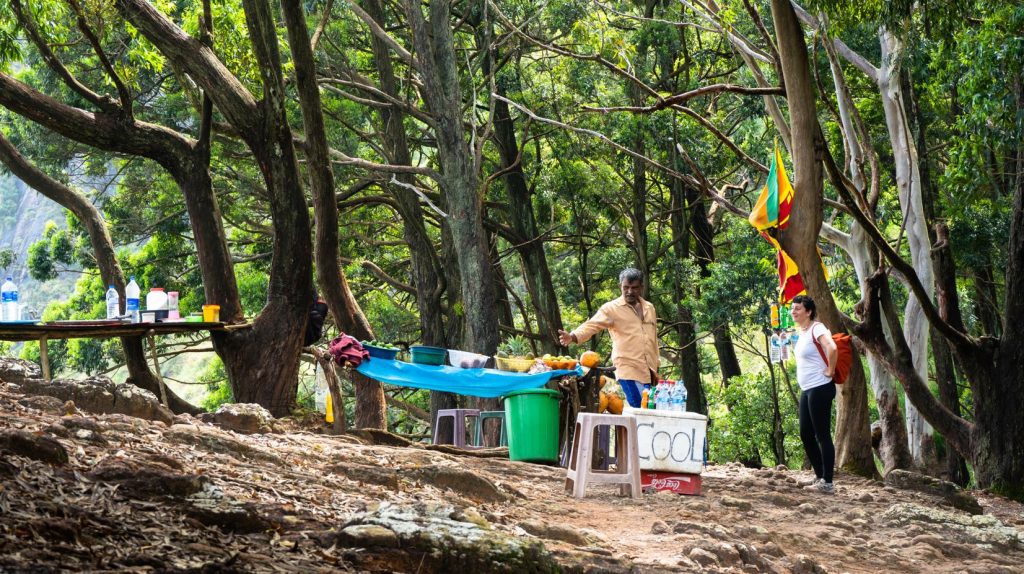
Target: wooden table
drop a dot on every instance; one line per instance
(42, 332)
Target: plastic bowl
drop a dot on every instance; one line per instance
(381, 352)
(422, 355)
(514, 365)
(466, 360)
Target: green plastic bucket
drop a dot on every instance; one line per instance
(532, 424)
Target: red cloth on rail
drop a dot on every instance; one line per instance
(346, 349)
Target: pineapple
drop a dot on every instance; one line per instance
(516, 347)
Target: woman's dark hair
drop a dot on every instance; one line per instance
(808, 304)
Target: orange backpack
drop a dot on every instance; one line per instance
(844, 355)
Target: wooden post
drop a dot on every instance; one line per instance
(337, 397)
(44, 358)
(156, 365)
(326, 362)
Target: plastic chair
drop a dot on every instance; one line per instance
(482, 420)
(458, 417)
(580, 472)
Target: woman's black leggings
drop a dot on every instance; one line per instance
(816, 428)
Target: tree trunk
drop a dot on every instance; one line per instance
(853, 433)
(908, 184)
(529, 245)
(689, 357)
(427, 274)
(999, 426)
(778, 434)
(894, 449)
(704, 255)
(437, 64)
(371, 410)
(945, 285)
(523, 222)
(945, 368)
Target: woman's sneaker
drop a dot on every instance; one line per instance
(810, 482)
(824, 487)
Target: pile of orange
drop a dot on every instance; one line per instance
(559, 363)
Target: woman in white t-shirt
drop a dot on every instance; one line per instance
(817, 390)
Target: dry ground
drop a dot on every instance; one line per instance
(141, 496)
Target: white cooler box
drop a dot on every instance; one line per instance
(670, 441)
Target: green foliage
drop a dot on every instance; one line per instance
(10, 47)
(741, 420)
(220, 395)
(217, 382)
(56, 247)
(7, 258)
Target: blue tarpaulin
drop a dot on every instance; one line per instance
(487, 383)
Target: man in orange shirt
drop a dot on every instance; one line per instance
(633, 326)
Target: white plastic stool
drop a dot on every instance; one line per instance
(627, 472)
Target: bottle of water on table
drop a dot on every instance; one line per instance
(665, 396)
(9, 300)
(113, 303)
(131, 296)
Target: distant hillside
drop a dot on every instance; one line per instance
(23, 215)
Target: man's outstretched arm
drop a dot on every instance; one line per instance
(600, 321)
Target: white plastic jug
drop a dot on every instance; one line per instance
(156, 299)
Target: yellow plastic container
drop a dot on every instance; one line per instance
(211, 313)
(329, 417)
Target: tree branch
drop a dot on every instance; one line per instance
(689, 179)
(843, 186)
(670, 101)
(122, 89)
(104, 102)
(383, 276)
(200, 62)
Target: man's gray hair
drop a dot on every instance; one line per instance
(631, 275)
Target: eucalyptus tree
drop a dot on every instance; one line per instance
(994, 440)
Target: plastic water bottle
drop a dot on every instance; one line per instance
(682, 395)
(131, 295)
(9, 298)
(664, 396)
(113, 303)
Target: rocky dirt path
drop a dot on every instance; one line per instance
(109, 492)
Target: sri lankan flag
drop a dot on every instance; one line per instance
(772, 210)
(790, 283)
(776, 199)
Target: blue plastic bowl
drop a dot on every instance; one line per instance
(381, 352)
